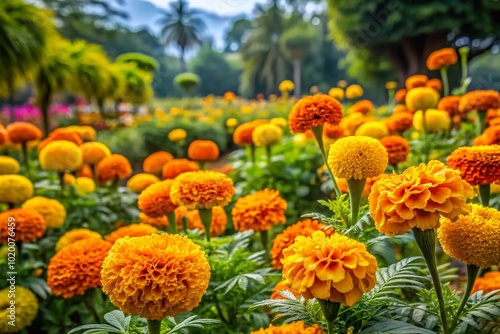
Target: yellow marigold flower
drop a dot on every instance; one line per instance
(176, 167)
(9, 165)
(155, 201)
(203, 150)
(61, 156)
(334, 268)
(352, 122)
(477, 164)
(76, 267)
(231, 122)
(311, 111)
(229, 96)
(167, 275)
(279, 121)
(488, 283)
(134, 230)
(391, 85)
(23, 132)
(84, 185)
(441, 58)
(15, 188)
(202, 190)
(281, 286)
(292, 328)
(354, 91)
(342, 83)
(399, 122)
(29, 224)
(86, 132)
(374, 129)
(217, 226)
(286, 238)
(53, 212)
(177, 135)
(259, 211)
(66, 134)
(26, 309)
(159, 222)
(473, 238)
(286, 86)
(337, 93)
(141, 181)
(93, 152)
(112, 167)
(421, 98)
(479, 100)
(243, 133)
(267, 135)
(435, 84)
(69, 179)
(397, 148)
(357, 157)
(76, 235)
(436, 120)
(418, 197)
(400, 95)
(364, 106)
(414, 81)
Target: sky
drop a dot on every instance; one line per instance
(222, 7)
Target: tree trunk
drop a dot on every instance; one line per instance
(183, 61)
(296, 77)
(44, 103)
(10, 103)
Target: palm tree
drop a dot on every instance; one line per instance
(183, 27)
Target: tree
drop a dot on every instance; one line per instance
(143, 62)
(406, 32)
(235, 35)
(137, 84)
(183, 27)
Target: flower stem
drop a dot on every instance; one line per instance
(252, 153)
(202, 165)
(318, 134)
(24, 146)
(330, 311)
(154, 326)
(206, 219)
(264, 237)
(463, 59)
(61, 182)
(426, 241)
(472, 271)
(355, 192)
(480, 122)
(484, 191)
(172, 222)
(444, 78)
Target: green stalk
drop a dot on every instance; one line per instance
(154, 326)
(252, 153)
(426, 241)
(444, 78)
(184, 224)
(202, 165)
(480, 122)
(318, 134)
(206, 219)
(269, 154)
(472, 271)
(464, 51)
(61, 182)
(484, 192)
(172, 223)
(355, 192)
(424, 135)
(26, 159)
(330, 311)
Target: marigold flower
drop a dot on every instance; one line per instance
(337, 93)
(231, 122)
(354, 91)
(154, 163)
(112, 167)
(84, 185)
(436, 120)
(311, 111)
(281, 286)
(87, 132)
(479, 100)
(61, 156)
(352, 122)
(9, 165)
(203, 150)
(76, 235)
(400, 95)
(474, 238)
(30, 225)
(286, 238)
(286, 86)
(334, 268)
(418, 197)
(477, 164)
(176, 167)
(292, 328)
(391, 85)
(333, 131)
(53, 212)
(490, 136)
(357, 157)
(218, 223)
(279, 121)
(399, 122)
(85, 171)
(177, 135)
(370, 181)
(414, 81)
(363, 106)
(155, 201)
(94, 152)
(450, 105)
(4, 137)
(141, 181)
(441, 58)
(229, 96)
(421, 98)
(66, 134)
(435, 84)
(374, 129)
(267, 135)
(23, 132)
(77, 267)
(400, 108)
(397, 148)
(167, 275)
(15, 188)
(243, 133)
(259, 211)
(159, 222)
(488, 283)
(134, 230)
(26, 309)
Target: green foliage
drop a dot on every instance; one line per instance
(187, 81)
(481, 310)
(143, 62)
(299, 40)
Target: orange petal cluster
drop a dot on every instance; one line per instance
(28, 225)
(489, 282)
(281, 286)
(311, 111)
(399, 122)
(397, 148)
(203, 150)
(400, 95)
(414, 81)
(154, 163)
(362, 106)
(23, 132)
(477, 164)
(217, 226)
(176, 167)
(134, 230)
(490, 136)
(113, 167)
(243, 133)
(159, 222)
(479, 100)
(441, 58)
(94, 152)
(293, 328)
(155, 200)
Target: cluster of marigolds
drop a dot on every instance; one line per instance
(152, 273)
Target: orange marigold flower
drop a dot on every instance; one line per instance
(479, 100)
(30, 225)
(141, 181)
(159, 222)
(400, 95)
(370, 181)
(488, 283)
(217, 226)
(202, 190)
(66, 134)
(450, 105)
(311, 111)
(61, 156)
(242, 135)
(283, 240)
(490, 136)
(414, 81)
(76, 267)
(493, 117)
(167, 275)
(435, 84)
(113, 167)
(155, 200)
(229, 96)
(398, 108)
(418, 197)
(441, 58)
(76, 235)
(334, 268)
(176, 167)
(400, 122)
(281, 286)
(134, 230)
(154, 163)
(362, 106)
(397, 147)
(292, 328)
(94, 152)
(259, 211)
(85, 171)
(333, 131)
(23, 132)
(203, 150)
(478, 164)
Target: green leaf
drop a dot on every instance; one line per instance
(117, 319)
(389, 326)
(95, 328)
